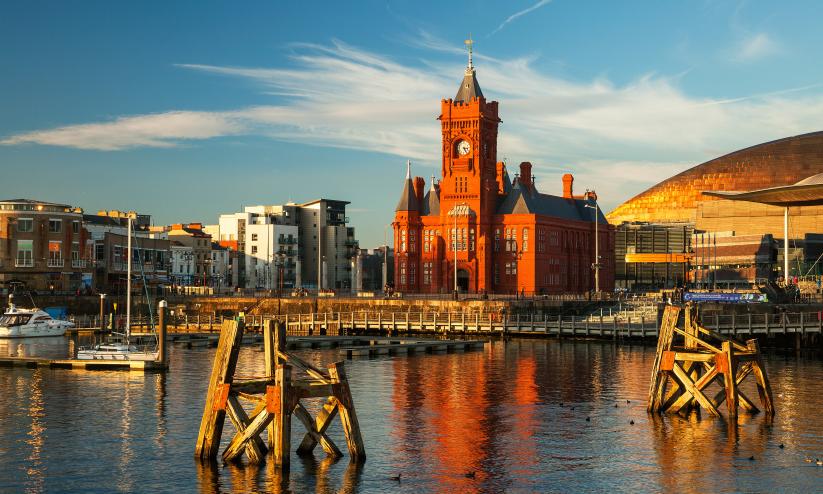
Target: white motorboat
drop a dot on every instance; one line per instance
(120, 350)
(29, 323)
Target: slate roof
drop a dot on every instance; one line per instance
(431, 203)
(469, 88)
(522, 201)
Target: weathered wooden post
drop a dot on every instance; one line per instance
(162, 309)
(222, 374)
(102, 312)
(683, 372)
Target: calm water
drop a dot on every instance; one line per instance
(515, 414)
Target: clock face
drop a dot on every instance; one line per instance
(463, 148)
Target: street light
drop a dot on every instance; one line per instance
(596, 265)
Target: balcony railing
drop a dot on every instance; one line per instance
(55, 263)
(24, 263)
(287, 241)
(78, 263)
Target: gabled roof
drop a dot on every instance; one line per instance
(469, 88)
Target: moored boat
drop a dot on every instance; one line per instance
(30, 323)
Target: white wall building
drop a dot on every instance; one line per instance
(183, 267)
(287, 245)
(220, 267)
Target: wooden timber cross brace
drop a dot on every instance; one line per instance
(275, 398)
(684, 372)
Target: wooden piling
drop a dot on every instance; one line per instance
(277, 396)
(222, 374)
(688, 361)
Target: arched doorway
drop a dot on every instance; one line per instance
(463, 280)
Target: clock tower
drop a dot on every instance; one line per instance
(469, 188)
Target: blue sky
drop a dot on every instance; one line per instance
(184, 110)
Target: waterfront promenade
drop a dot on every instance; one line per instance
(636, 322)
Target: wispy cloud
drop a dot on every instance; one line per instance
(154, 130)
(620, 138)
(755, 47)
(520, 14)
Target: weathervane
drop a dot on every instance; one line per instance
(469, 42)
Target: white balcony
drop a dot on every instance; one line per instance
(24, 263)
(55, 263)
(78, 263)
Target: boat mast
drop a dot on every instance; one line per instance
(128, 285)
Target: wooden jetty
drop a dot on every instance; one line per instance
(642, 324)
(394, 346)
(276, 397)
(133, 365)
(690, 360)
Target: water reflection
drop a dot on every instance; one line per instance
(35, 440)
(511, 417)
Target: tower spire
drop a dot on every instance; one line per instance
(469, 43)
(408, 169)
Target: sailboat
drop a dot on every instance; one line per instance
(121, 350)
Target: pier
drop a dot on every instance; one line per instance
(629, 324)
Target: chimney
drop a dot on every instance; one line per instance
(501, 172)
(419, 188)
(568, 180)
(526, 175)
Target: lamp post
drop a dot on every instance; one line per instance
(596, 265)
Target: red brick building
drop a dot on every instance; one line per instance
(503, 235)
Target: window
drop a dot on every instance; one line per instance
(75, 251)
(497, 239)
(55, 254)
(55, 226)
(254, 249)
(496, 274)
(75, 227)
(427, 273)
(412, 243)
(25, 256)
(471, 240)
(402, 240)
(254, 237)
(24, 225)
(525, 240)
(403, 273)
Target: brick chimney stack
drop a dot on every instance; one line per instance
(526, 175)
(419, 188)
(568, 181)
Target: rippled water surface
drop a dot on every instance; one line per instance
(509, 418)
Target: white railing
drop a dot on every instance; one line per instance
(24, 263)
(55, 263)
(78, 263)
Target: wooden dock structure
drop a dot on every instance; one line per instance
(534, 324)
(276, 397)
(132, 365)
(690, 360)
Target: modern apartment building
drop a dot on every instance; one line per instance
(285, 246)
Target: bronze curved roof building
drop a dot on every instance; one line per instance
(771, 164)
